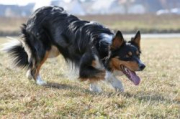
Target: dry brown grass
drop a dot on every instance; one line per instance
(145, 23)
(125, 23)
(11, 24)
(158, 95)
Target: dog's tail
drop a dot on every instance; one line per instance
(16, 50)
(17, 53)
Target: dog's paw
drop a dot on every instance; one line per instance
(95, 88)
(40, 82)
(118, 86)
(28, 75)
(119, 89)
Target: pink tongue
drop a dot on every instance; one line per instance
(134, 78)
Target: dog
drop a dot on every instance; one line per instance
(99, 53)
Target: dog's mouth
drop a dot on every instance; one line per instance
(131, 75)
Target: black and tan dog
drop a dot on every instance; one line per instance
(95, 50)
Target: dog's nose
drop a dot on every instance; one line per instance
(142, 66)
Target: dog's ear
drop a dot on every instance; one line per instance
(136, 40)
(117, 41)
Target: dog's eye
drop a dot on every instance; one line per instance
(127, 57)
(130, 53)
(137, 53)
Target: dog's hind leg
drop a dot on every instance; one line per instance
(34, 71)
(29, 74)
(39, 81)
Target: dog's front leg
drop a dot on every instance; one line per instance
(94, 87)
(88, 71)
(93, 76)
(115, 83)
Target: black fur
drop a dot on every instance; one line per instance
(73, 37)
(77, 40)
(19, 56)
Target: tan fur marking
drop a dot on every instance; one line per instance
(133, 66)
(137, 41)
(96, 78)
(54, 52)
(116, 43)
(130, 53)
(116, 63)
(93, 63)
(137, 52)
(40, 64)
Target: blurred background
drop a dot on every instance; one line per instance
(148, 16)
(158, 95)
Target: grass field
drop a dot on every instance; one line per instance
(127, 23)
(157, 97)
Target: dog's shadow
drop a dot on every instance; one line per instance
(149, 97)
(145, 96)
(70, 87)
(59, 86)
(65, 87)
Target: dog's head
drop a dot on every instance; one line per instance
(125, 56)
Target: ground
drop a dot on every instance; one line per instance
(148, 23)
(158, 95)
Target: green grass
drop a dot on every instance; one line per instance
(158, 95)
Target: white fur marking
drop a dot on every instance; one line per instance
(28, 74)
(116, 84)
(40, 82)
(6, 47)
(98, 63)
(11, 43)
(95, 88)
(107, 37)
